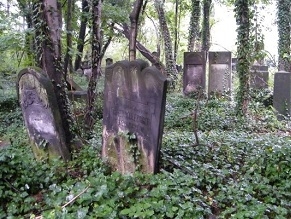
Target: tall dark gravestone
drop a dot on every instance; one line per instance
(133, 116)
(259, 76)
(41, 114)
(194, 76)
(282, 93)
(219, 80)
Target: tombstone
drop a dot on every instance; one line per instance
(133, 116)
(194, 75)
(282, 94)
(219, 80)
(41, 114)
(259, 77)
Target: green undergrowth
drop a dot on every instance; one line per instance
(240, 169)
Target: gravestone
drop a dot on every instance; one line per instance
(194, 75)
(219, 81)
(133, 116)
(282, 94)
(259, 76)
(41, 114)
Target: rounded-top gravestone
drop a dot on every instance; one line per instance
(41, 114)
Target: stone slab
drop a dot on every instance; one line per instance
(133, 116)
(194, 75)
(41, 114)
(282, 94)
(220, 77)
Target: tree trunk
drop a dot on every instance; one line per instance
(51, 62)
(82, 32)
(96, 65)
(206, 25)
(194, 25)
(170, 62)
(177, 25)
(27, 9)
(134, 15)
(283, 17)
(243, 20)
(144, 51)
(68, 57)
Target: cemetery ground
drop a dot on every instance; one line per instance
(241, 168)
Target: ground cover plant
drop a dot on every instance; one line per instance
(240, 169)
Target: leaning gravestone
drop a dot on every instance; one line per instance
(282, 94)
(219, 81)
(41, 114)
(194, 76)
(259, 76)
(133, 116)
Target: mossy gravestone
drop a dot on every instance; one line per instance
(133, 116)
(194, 76)
(41, 114)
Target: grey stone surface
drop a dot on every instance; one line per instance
(282, 93)
(133, 116)
(194, 76)
(41, 114)
(219, 80)
(259, 76)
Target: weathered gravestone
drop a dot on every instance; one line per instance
(41, 114)
(219, 80)
(194, 76)
(282, 94)
(259, 76)
(133, 116)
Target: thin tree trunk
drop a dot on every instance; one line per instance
(284, 35)
(194, 27)
(51, 62)
(170, 62)
(96, 65)
(134, 15)
(82, 32)
(176, 30)
(206, 25)
(68, 58)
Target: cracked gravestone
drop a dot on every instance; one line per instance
(133, 116)
(41, 114)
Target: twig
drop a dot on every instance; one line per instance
(195, 122)
(73, 199)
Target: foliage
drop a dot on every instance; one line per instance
(240, 169)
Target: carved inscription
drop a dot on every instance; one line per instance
(132, 115)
